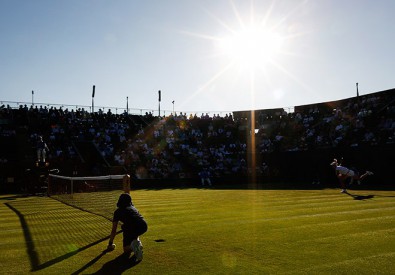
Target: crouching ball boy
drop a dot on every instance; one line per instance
(133, 226)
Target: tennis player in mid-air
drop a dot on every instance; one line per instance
(343, 173)
(133, 226)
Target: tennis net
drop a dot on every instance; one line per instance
(97, 195)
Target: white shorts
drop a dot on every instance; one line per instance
(350, 173)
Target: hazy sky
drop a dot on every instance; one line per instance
(205, 55)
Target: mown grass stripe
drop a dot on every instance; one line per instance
(212, 231)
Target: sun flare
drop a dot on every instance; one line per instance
(251, 46)
(252, 50)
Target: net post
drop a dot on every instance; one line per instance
(126, 183)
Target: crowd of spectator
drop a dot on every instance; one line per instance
(367, 120)
(181, 145)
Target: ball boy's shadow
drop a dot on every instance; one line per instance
(118, 265)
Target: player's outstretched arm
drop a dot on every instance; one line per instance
(111, 245)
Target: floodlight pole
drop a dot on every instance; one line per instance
(93, 101)
(159, 99)
(127, 105)
(173, 107)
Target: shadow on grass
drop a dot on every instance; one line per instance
(360, 197)
(10, 197)
(93, 261)
(117, 266)
(68, 255)
(366, 197)
(32, 251)
(34, 262)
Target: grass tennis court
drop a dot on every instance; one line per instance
(206, 231)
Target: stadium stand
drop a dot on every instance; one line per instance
(292, 147)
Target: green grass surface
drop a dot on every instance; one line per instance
(206, 231)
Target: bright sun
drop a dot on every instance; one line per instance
(251, 46)
(251, 50)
